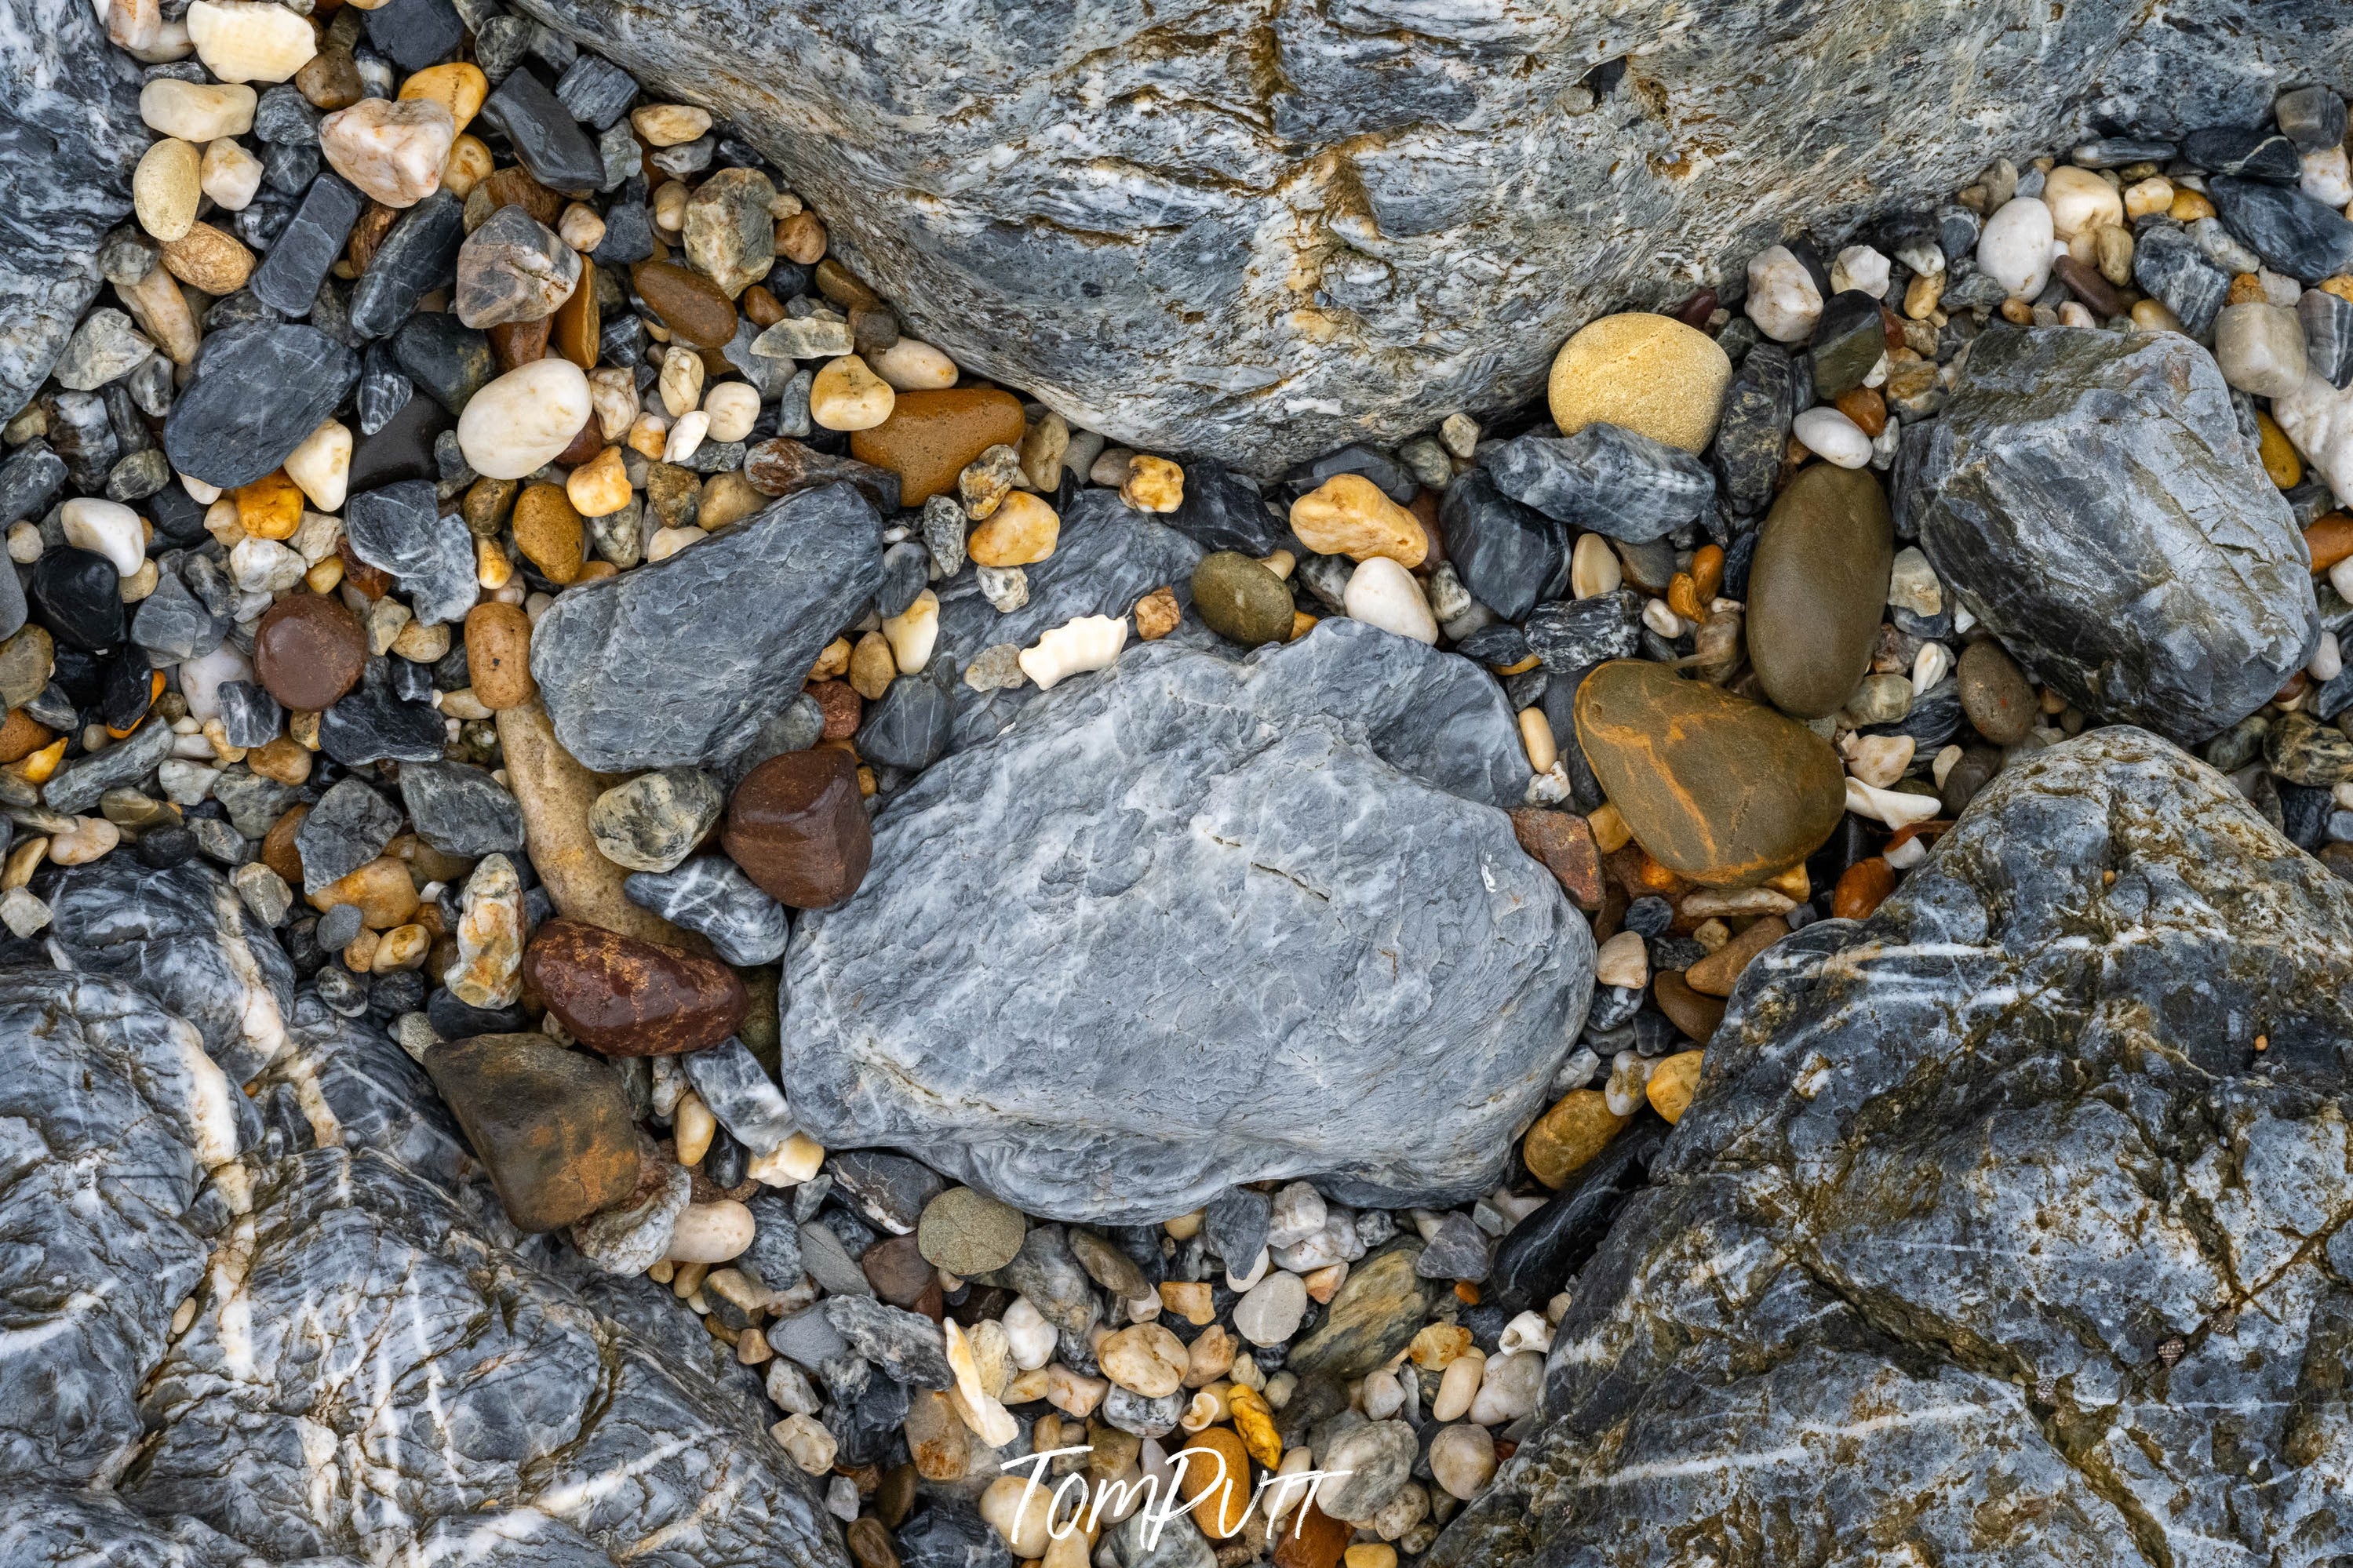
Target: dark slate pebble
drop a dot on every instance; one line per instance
(29, 479)
(1574, 635)
(175, 625)
(2311, 117)
(888, 1189)
(2169, 267)
(1393, 477)
(78, 595)
(2291, 232)
(773, 1259)
(372, 725)
(2246, 154)
(950, 1534)
(448, 359)
(402, 448)
(711, 895)
(1544, 1251)
(128, 689)
(1236, 1223)
(400, 529)
(384, 389)
(415, 33)
(628, 231)
(254, 399)
(288, 170)
(1753, 435)
(454, 1020)
(419, 253)
(460, 809)
(2327, 336)
(909, 728)
(1933, 718)
(289, 278)
(1605, 477)
(1511, 557)
(1501, 646)
(249, 716)
(1223, 510)
(1457, 1250)
(596, 92)
(348, 828)
(547, 140)
(82, 434)
(1848, 340)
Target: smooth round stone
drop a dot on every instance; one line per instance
(1270, 1311)
(1380, 593)
(2015, 248)
(1832, 437)
(522, 421)
(2080, 201)
(734, 407)
(713, 1233)
(798, 829)
(1817, 586)
(392, 150)
(655, 820)
(631, 998)
(547, 530)
(78, 595)
(930, 437)
(1241, 600)
(1995, 695)
(1648, 373)
(196, 111)
(690, 305)
(229, 174)
(966, 1232)
(105, 528)
(1721, 790)
(847, 396)
(167, 186)
(1566, 1138)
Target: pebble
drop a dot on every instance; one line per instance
(107, 529)
(552, 1127)
(1241, 600)
(2292, 232)
(847, 396)
(194, 112)
(966, 1232)
(798, 829)
(249, 40)
(655, 820)
(513, 269)
(1348, 515)
(1383, 594)
(1606, 477)
(1832, 437)
(2080, 201)
(930, 437)
(166, 187)
(686, 303)
(208, 259)
(1860, 268)
(1270, 1312)
(1462, 1460)
(1020, 531)
(626, 997)
(1816, 587)
(1784, 300)
(525, 419)
(2260, 347)
(392, 150)
(2015, 248)
(1076, 647)
(1645, 373)
(546, 140)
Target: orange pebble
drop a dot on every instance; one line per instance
(1707, 570)
(2330, 540)
(1862, 889)
(1865, 407)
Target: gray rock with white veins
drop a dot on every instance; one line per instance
(711, 895)
(1213, 875)
(1989, 1209)
(1605, 477)
(681, 660)
(2098, 509)
(401, 529)
(181, 934)
(349, 828)
(1343, 222)
(460, 809)
(740, 1093)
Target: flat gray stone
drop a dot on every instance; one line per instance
(1178, 928)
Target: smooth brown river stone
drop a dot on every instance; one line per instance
(631, 998)
(309, 650)
(690, 305)
(551, 1126)
(799, 830)
(931, 436)
(1818, 588)
(1719, 789)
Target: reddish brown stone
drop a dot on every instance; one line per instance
(585, 445)
(1314, 1539)
(798, 829)
(842, 708)
(628, 997)
(515, 343)
(1564, 843)
(375, 223)
(577, 321)
(309, 650)
(512, 187)
(690, 305)
(1686, 1009)
(551, 1126)
(1863, 888)
(932, 434)
(897, 1271)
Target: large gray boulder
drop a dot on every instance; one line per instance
(2097, 507)
(1260, 229)
(2007, 1226)
(70, 136)
(681, 661)
(1196, 922)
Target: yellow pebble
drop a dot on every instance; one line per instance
(1255, 1421)
(2279, 454)
(2188, 206)
(1671, 1083)
(1370, 1554)
(457, 86)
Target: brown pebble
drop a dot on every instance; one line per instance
(383, 891)
(692, 305)
(1715, 975)
(375, 222)
(843, 287)
(282, 761)
(513, 186)
(208, 259)
(932, 435)
(796, 827)
(22, 735)
(332, 79)
(1563, 842)
(547, 531)
(497, 655)
(1695, 1014)
(1571, 1133)
(872, 667)
(572, 332)
(841, 707)
(1863, 888)
(517, 344)
(1157, 614)
(897, 1271)
(801, 238)
(277, 850)
(551, 1126)
(760, 306)
(308, 651)
(628, 997)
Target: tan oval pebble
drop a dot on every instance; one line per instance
(167, 186)
(469, 165)
(734, 407)
(668, 124)
(197, 112)
(457, 86)
(321, 464)
(1023, 530)
(208, 259)
(912, 365)
(497, 655)
(1648, 373)
(599, 486)
(1153, 484)
(547, 531)
(88, 839)
(712, 1233)
(525, 419)
(251, 40)
(1348, 515)
(229, 174)
(848, 395)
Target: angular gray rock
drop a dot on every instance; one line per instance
(1220, 884)
(181, 934)
(70, 136)
(349, 828)
(460, 809)
(680, 662)
(2097, 508)
(114, 1117)
(1989, 1215)
(741, 1094)
(709, 895)
(1344, 222)
(402, 530)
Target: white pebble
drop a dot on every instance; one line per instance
(2326, 178)
(807, 1441)
(1892, 807)
(1384, 1397)
(1269, 1313)
(1832, 437)
(229, 174)
(197, 112)
(1028, 1336)
(1076, 647)
(522, 421)
(202, 677)
(2260, 347)
(1908, 854)
(1463, 1458)
(1509, 1390)
(2080, 201)
(1860, 266)
(685, 437)
(915, 630)
(318, 468)
(2327, 659)
(1662, 620)
(1622, 961)
(1528, 1332)
(106, 527)
(733, 407)
(264, 566)
(911, 365)
(1929, 666)
(251, 40)
(1879, 760)
(88, 839)
(1383, 594)
(712, 1233)
(2318, 419)
(1782, 298)
(22, 912)
(2015, 247)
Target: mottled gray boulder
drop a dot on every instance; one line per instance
(1991, 1230)
(372, 1374)
(181, 934)
(2097, 508)
(681, 661)
(1199, 920)
(1106, 558)
(1343, 222)
(70, 136)
(49, 1527)
(342, 1083)
(111, 1117)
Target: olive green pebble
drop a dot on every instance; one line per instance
(1994, 694)
(966, 1232)
(1241, 600)
(1816, 588)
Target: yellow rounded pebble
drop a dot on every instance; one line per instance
(1671, 1083)
(1648, 373)
(457, 86)
(2279, 454)
(1254, 1419)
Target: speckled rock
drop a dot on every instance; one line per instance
(679, 662)
(2098, 510)
(1302, 818)
(1321, 195)
(1988, 1209)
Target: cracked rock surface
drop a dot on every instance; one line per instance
(2007, 1225)
(1198, 866)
